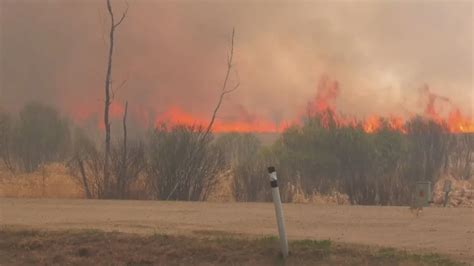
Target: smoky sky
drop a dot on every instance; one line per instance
(173, 53)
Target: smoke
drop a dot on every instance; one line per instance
(173, 53)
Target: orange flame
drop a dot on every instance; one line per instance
(458, 123)
(455, 121)
(372, 124)
(435, 107)
(175, 116)
(328, 91)
(397, 124)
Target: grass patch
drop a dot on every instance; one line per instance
(94, 247)
(422, 259)
(312, 244)
(388, 253)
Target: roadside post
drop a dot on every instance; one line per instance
(278, 211)
(423, 194)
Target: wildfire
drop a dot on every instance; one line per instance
(175, 116)
(328, 91)
(436, 108)
(397, 123)
(458, 123)
(372, 124)
(454, 120)
(434, 105)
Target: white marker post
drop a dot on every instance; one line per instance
(278, 211)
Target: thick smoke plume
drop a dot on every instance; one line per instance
(172, 55)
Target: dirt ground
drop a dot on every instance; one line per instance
(447, 231)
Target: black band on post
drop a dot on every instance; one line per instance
(274, 183)
(271, 169)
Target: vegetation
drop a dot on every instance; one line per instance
(382, 167)
(96, 247)
(320, 156)
(38, 136)
(182, 165)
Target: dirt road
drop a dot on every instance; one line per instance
(447, 231)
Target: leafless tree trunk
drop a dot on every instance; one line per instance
(108, 82)
(122, 175)
(125, 132)
(84, 178)
(224, 89)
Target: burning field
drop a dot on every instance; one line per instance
(140, 133)
(430, 106)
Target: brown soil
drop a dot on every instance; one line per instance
(447, 231)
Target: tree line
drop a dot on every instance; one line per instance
(322, 156)
(185, 162)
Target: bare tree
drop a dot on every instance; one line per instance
(127, 163)
(108, 82)
(126, 169)
(85, 183)
(124, 156)
(203, 137)
(224, 90)
(180, 165)
(86, 165)
(6, 133)
(461, 147)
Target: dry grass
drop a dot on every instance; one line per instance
(50, 181)
(223, 189)
(54, 181)
(461, 195)
(94, 247)
(296, 195)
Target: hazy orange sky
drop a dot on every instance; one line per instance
(173, 53)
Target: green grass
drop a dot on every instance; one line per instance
(87, 247)
(425, 259)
